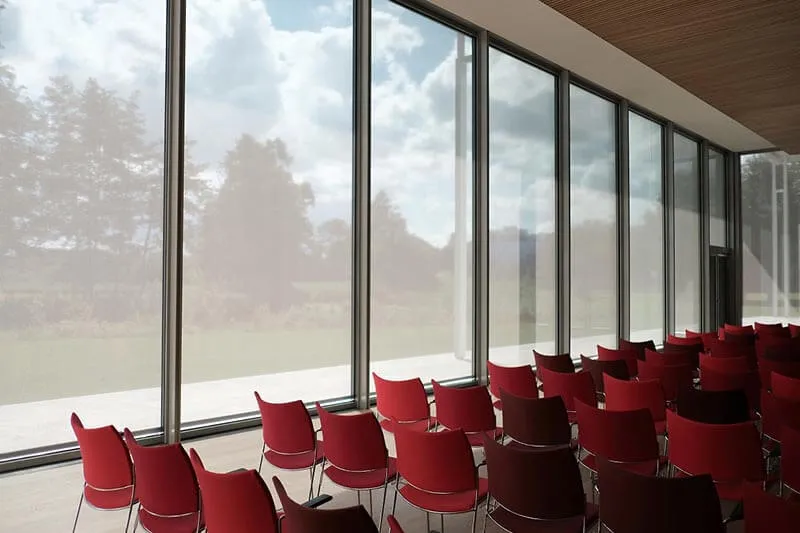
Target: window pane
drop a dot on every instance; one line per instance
(646, 230)
(717, 203)
(81, 173)
(421, 187)
(771, 237)
(593, 220)
(268, 212)
(687, 234)
(521, 210)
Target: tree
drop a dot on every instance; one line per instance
(256, 235)
(334, 241)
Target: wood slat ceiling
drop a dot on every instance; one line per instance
(740, 56)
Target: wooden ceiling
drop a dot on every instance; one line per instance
(740, 56)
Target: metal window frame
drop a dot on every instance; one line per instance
(705, 238)
(623, 222)
(669, 228)
(563, 242)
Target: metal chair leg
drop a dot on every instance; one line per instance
(78, 513)
(130, 512)
(321, 475)
(428, 521)
(383, 506)
(311, 485)
(441, 523)
(394, 503)
(136, 518)
(261, 461)
(358, 494)
(371, 514)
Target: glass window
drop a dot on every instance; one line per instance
(267, 255)
(522, 151)
(593, 222)
(422, 173)
(687, 234)
(81, 173)
(717, 204)
(770, 237)
(646, 229)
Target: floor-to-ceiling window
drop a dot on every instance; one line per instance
(717, 199)
(421, 186)
(687, 233)
(268, 204)
(646, 229)
(81, 172)
(522, 249)
(770, 237)
(593, 221)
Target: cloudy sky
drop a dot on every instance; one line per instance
(283, 68)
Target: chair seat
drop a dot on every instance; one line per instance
(476, 439)
(458, 502)
(514, 522)
(727, 490)
(295, 461)
(372, 479)
(109, 499)
(420, 425)
(169, 524)
(573, 445)
(646, 468)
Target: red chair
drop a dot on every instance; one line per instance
(394, 527)
(235, 502)
(772, 331)
(794, 330)
(790, 458)
(673, 378)
(724, 364)
(437, 473)
(570, 387)
(108, 478)
(356, 454)
(685, 341)
(730, 453)
(625, 437)
(633, 503)
(469, 409)
(738, 330)
(766, 513)
(767, 365)
(712, 380)
(779, 348)
(169, 498)
(714, 407)
(692, 349)
(290, 442)
(785, 387)
(518, 380)
(298, 518)
(629, 356)
(536, 490)
(724, 348)
(557, 363)
(636, 346)
(777, 413)
(622, 395)
(708, 338)
(617, 368)
(405, 401)
(676, 357)
(536, 422)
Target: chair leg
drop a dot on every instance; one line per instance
(371, 514)
(474, 520)
(486, 515)
(394, 503)
(261, 461)
(311, 485)
(130, 512)
(78, 513)
(321, 475)
(136, 518)
(428, 522)
(358, 494)
(441, 523)
(383, 506)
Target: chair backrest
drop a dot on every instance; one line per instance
(724, 364)
(518, 380)
(785, 387)
(394, 526)
(766, 366)
(404, 400)
(692, 347)
(353, 442)
(468, 408)
(675, 357)
(790, 456)
(636, 346)
(578, 385)
(165, 481)
(714, 407)
(724, 348)
(286, 427)
(730, 453)
(708, 338)
(106, 460)
(561, 362)
(235, 502)
(767, 513)
(300, 519)
(633, 503)
(620, 436)
(626, 395)
(778, 348)
(539, 484)
(435, 462)
(738, 330)
(536, 421)
(610, 354)
(596, 368)
(772, 330)
(776, 413)
(794, 329)
(684, 341)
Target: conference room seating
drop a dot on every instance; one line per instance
(469, 409)
(639, 346)
(402, 401)
(713, 407)
(556, 363)
(536, 422)
(570, 387)
(790, 460)
(673, 378)
(611, 354)
(630, 395)
(518, 380)
(767, 513)
(785, 387)
(596, 368)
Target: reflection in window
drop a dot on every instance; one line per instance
(593, 222)
(687, 234)
(521, 210)
(646, 230)
(716, 203)
(81, 173)
(770, 237)
(267, 268)
(421, 186)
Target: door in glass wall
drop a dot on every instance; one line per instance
(687, 234)
(770, 238)
(267, 209)
(593, 222)
(646, 229)
(521, 210)
(717, 199)
(421, 213)
(81, 197)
